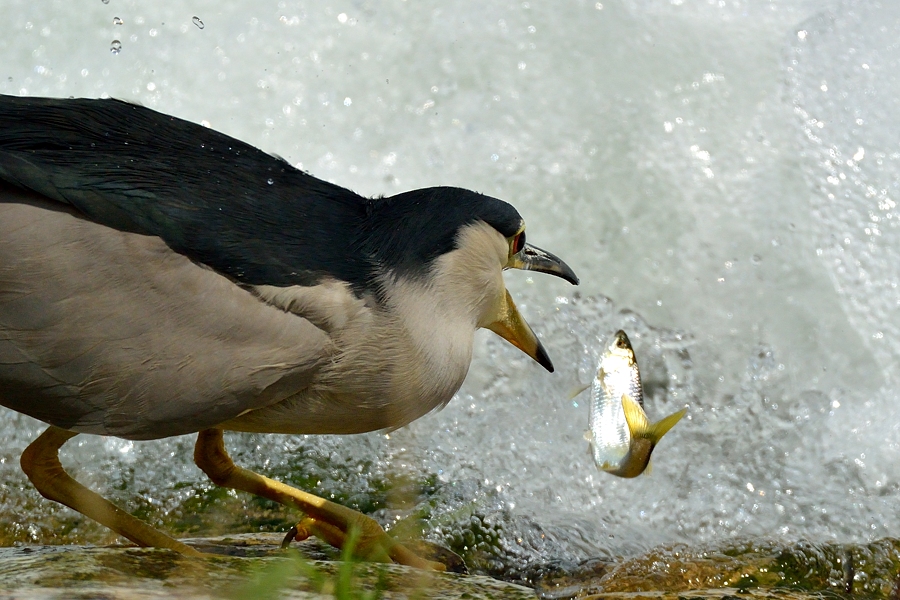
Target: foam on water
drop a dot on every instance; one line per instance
(723, 177)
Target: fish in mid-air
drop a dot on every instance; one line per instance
(621, 436)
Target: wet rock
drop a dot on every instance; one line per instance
(729, 572)
(241, 566)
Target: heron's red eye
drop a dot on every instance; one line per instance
(518, 242)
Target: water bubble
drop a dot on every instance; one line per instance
(117, 21)
(270, 181)
(115, 47)
(105, 1)
(198, 22)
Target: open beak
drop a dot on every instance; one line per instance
(511, 326)
(531, 258)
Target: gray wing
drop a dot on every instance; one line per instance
(110, 332)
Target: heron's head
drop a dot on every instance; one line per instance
(457, 243)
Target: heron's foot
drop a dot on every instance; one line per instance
(336, 524)
(437, 557)
(364, 538)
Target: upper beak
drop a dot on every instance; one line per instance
(513, 328)
(531, 258)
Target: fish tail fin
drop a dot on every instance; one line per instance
(640, 426)
(662, 427)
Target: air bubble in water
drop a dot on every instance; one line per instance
(198, 22)
(115, 47)
(117, 21)
(105, 1)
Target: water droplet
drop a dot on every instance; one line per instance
(117, 21)
(198, 22)
(115, 47)
(270, 181)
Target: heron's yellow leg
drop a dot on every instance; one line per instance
(332, 522)
(40, 461)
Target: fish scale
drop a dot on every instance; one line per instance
(621, 444)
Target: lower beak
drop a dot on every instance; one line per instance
(513, 328)
(532, 258)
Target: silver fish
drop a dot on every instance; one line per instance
(621, 436)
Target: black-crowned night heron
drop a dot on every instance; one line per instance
(158, 278)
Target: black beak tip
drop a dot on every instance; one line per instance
(568, 274)
(543, 358)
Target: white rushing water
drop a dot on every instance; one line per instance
(722, 175)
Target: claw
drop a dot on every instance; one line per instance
(291, 534)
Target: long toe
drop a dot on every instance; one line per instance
(361, 537)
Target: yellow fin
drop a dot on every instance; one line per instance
(662, 427)
(640, 427)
